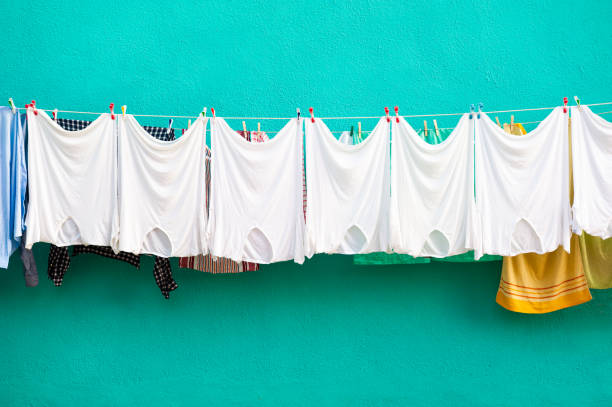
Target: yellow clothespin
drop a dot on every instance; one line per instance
(123, 109)
(437, 130)
(498, 123)
(425, 129)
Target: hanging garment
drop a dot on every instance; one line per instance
(106, 251)
(379, 259)
(538, 283)
(596, 260)
(30, 272)
(72, 183)
(522, 194)
(517, 129)
(257, 218)
(162, 271)
(160, 133)
(347, 214)
(14, 178)
(161, 185)
(592, 151)
(208, 263)
(432, 194)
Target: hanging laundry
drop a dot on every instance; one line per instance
(347, 214)
(208, 263)
(162, 271)
(257, 218)
(539, 283)
(161, 185)
(515, 128)
(379, 259)
(57, 264)
(30, 272)
(14, 178)
(596, 260)
(592, 149)
(72, 184)
(106, 251)
(521, 193)
(433, 212)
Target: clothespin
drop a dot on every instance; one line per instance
(577, 100)
(437, 130)
(12, 105)
(498, 123)
(258, 127)
(123, 109)
(54, 115)
(189, 123)
(425, 129)
(112, 108)
(204, 112)
(359, 130)
(511, 123)
(212, 109)
(471, 110)
(33, 105)
(183, 131)
(170, 121)
(298, 113)
(352, 134)
(311, 114)
(480, 106)
(244, 129)
(396, 114)
(565, 104)
(387, 114)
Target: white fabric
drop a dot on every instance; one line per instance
(592, 166)
(432, 193)
(256, 195)
(522, 187)
(348, 191)
(162, 191)
(71, 182)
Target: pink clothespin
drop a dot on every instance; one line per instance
(311, 110)
(396, 114)
(387, 114)
(33, 105)
(565, 104)
(112, 108)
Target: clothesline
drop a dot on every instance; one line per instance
(323, 118)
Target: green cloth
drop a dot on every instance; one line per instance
(380, 258)
(467, 257)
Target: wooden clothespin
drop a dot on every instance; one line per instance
(189, 123)
(425, 129)
(258, 127)
(498, 123)
(359, 130)
(244, 130)
(511, 122)
(437, 131)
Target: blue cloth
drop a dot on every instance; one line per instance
(13, 181)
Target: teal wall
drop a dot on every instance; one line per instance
(328, 332)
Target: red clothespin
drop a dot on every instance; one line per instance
(311, 114)
(565, 104)
(112, 108)
(387, 114)
(396, 114)
(54, 115)
(33, 105)
(212, 109)
(183, 132)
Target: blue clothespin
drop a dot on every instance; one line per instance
(471, 110)
(480, 106)
(169, 126)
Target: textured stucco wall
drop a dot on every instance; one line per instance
(326, 333)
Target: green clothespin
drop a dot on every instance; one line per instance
(12, 105)
(204, 112)
(577, 101)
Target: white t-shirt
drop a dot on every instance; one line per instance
(592, 166)
(522, 187)
(348, 191)
(259, 217)
(162, 188)
(71, 182)
(432, 192)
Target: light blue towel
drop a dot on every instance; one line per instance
(13, 182)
